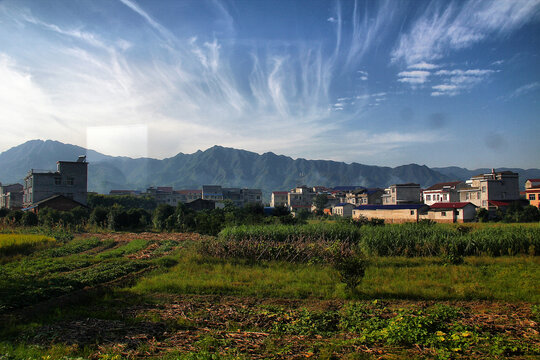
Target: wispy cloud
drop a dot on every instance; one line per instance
(153, 23)
(458, 80)
(415, 77)
(445, 27)
(525, 89)
(423, 66)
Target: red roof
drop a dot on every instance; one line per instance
(533, 180)
(532, 189)
(450, 205)
(186, 192)
(498, 203)
(280, 192)
(165, 188)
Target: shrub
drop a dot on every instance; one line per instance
(351, 267)
(29, 219)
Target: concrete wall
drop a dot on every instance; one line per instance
(389, 216)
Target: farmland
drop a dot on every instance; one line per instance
(249, 293)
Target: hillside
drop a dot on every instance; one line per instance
(219, 165)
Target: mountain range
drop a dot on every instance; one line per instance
(222, 166)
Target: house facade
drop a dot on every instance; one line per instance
(391, 214)
(300, 198)
(451, 212)
(442, 192)
(495, 186)
(402, 194)
(365, 197)
(532, 192)
(279, 198)
(70, 180)
(11, 196)
(343, 209)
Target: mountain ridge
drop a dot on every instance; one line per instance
(224, 166)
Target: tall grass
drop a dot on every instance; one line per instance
(11, 244)
(389, 240)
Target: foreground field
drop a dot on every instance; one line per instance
(106, 296)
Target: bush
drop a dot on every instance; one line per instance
(351, 267)
(98, 216)
(29, 219)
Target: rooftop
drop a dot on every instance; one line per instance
(450, 205)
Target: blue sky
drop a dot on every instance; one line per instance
(388, 83)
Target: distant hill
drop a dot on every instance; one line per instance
(219, 165)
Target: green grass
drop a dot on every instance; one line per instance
(501, 278)
(11, 244)
(129, 248)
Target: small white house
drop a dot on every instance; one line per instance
(343, 209)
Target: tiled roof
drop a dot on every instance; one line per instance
(533, 180)
(498, 203)
(450, 205)
(342, 204)
(280, 192)
(188, 192)
(440, 186)
(391, 207)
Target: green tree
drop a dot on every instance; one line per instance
(160, 216)
(320, 202)
(29, 219)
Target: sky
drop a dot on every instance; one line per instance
(440, 83)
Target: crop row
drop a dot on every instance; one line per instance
(390, 240)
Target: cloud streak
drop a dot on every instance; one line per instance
(442, 29)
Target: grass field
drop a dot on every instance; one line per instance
(12, 244)
(127, 296)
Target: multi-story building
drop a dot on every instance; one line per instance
(364, 197)
(442, 192)
(532, 192)
(187, 196)
(11, 196)
(494, 186)
(279, 198)
(70, 180)
(212, 192)
(402, 194)
(238, 196)
(300, 198)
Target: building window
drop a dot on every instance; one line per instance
(484, 202)
(532, 197)
(443, 213)
(412, 212)
(428, 197)
(57, 180)
(69, 181)
(467, 196)
(483, 189)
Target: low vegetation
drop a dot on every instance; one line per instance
(264, 288)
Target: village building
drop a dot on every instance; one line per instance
(532, 192)
(300, 198)
(365, 197)
(483, 189)
(391, 214)
(343, 209)
(398, 194)
(451, 212)
(279, 198)
(442, 192)
(11, 196)
(69, 179)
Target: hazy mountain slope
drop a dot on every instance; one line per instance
(219, 165)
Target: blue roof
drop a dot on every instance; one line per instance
(347, 188)
(342, 204)
(392, 207)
